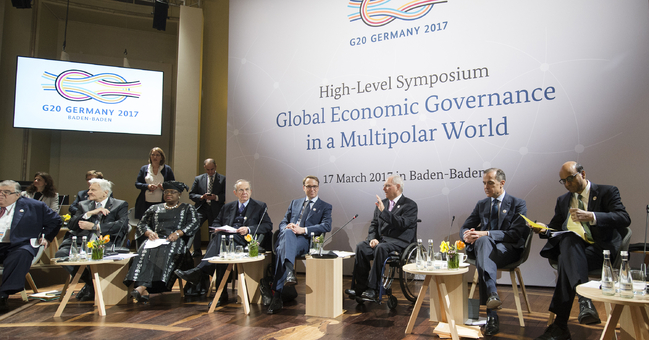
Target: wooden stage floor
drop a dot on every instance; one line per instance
(167, 316)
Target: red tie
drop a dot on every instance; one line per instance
(2, 211)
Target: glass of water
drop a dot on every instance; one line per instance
(639, 282)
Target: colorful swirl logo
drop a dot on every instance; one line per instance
(377, 13)
(77, 85)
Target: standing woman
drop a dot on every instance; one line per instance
(150, 180)
(153, 269)
(43, 189)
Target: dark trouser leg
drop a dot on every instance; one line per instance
(381, 253)
(16, 262)
(289, 245)
(364, 254)
(491, 255)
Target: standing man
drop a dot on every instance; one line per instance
(83, 194)
(100, 213)
(595, 214)
(393, 228)
(208, 191)
(244, 215)
(303, 217)
(25, 224)
(495, 236)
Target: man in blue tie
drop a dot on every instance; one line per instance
(393, 228)
(495, 236)
(303, 217)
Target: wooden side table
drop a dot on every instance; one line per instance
(107, 279)
(324, 287)
(242, 286)
(448, 299)
(636, 311)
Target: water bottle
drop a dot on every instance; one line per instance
(430, 256)
(626, 283)
(223, 252)
(312, 249)
(420, 255)
(231, 247)
(608, 282)
(83, 250)
(74, 251)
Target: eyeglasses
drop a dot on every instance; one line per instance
(170, 192)
(6, 193)
(568, 179)
(311, 187)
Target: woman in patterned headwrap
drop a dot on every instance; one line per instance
(152, 270)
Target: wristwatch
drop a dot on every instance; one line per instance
(177, 234)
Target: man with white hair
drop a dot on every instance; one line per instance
(25, 224)
(99, 214)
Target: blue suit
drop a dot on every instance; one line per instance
(504, 243)
(31, 220)
(316, 219)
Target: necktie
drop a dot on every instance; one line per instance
(582, 229)
(98, 205)
(305, 207)
(2, 211)
(493, 222)
(391, 205)
(241, 207)
(210, 186)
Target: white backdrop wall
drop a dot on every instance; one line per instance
(459, 87)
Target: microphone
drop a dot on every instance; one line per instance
(260, 220)
(451, 228)
(330, 254)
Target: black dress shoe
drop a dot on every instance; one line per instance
(223, 300)
(555, 332)
(82, 292)
(276, 304)
(369, 295)
(351, 293)
(291, 280)
(4, 304)
(139, 297)
(197, 254)
(266, 292)
(89, 294)
(492, 327)
(192, 276)
(493, 301)
(587, 313)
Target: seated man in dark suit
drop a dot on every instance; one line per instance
(247, 216)
(596, 214)
(25, 224)
(99, 214)
(303, 217)
(393, 228)
(83, 194)
(208, 193)
(495, 235)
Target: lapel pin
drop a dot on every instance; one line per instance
(594, 198)
(504, 211)
(22, 211)
(398, 206)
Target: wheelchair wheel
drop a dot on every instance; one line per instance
(410, 283)
(392, 302)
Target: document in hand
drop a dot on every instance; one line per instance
(155, 243)
(225, 229)
(533, 224)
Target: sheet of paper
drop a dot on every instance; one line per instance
(343, 254)
(119, 257)
(155, 243)
(533, 224)
(225, 228)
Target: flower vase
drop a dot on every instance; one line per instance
(453, 260)
(253, 250)
(98, 253)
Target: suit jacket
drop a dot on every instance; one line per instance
(397, 226)
(200, 187)
(611, 215)
(52, 202)
(511, 226)
(31, 219)
(253, 214)
(318, 221)
(141, 184)
(114, 224)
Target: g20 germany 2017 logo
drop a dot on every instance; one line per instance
(378, 13)
(78, 85)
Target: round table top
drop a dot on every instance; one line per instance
(596, 294)
(240, 260)
(412, 268)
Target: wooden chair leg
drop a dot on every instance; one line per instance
(474, 284)
(550, 318)
(23, 294)
(212, 284)
(30, 280)
(522, 284)
(182, 290)
(517, 298)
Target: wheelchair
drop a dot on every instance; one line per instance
(410, 283)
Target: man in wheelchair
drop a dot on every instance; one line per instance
(393, 228)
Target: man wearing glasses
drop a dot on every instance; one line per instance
(25, 225)
(303, 217)
(594, 213)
